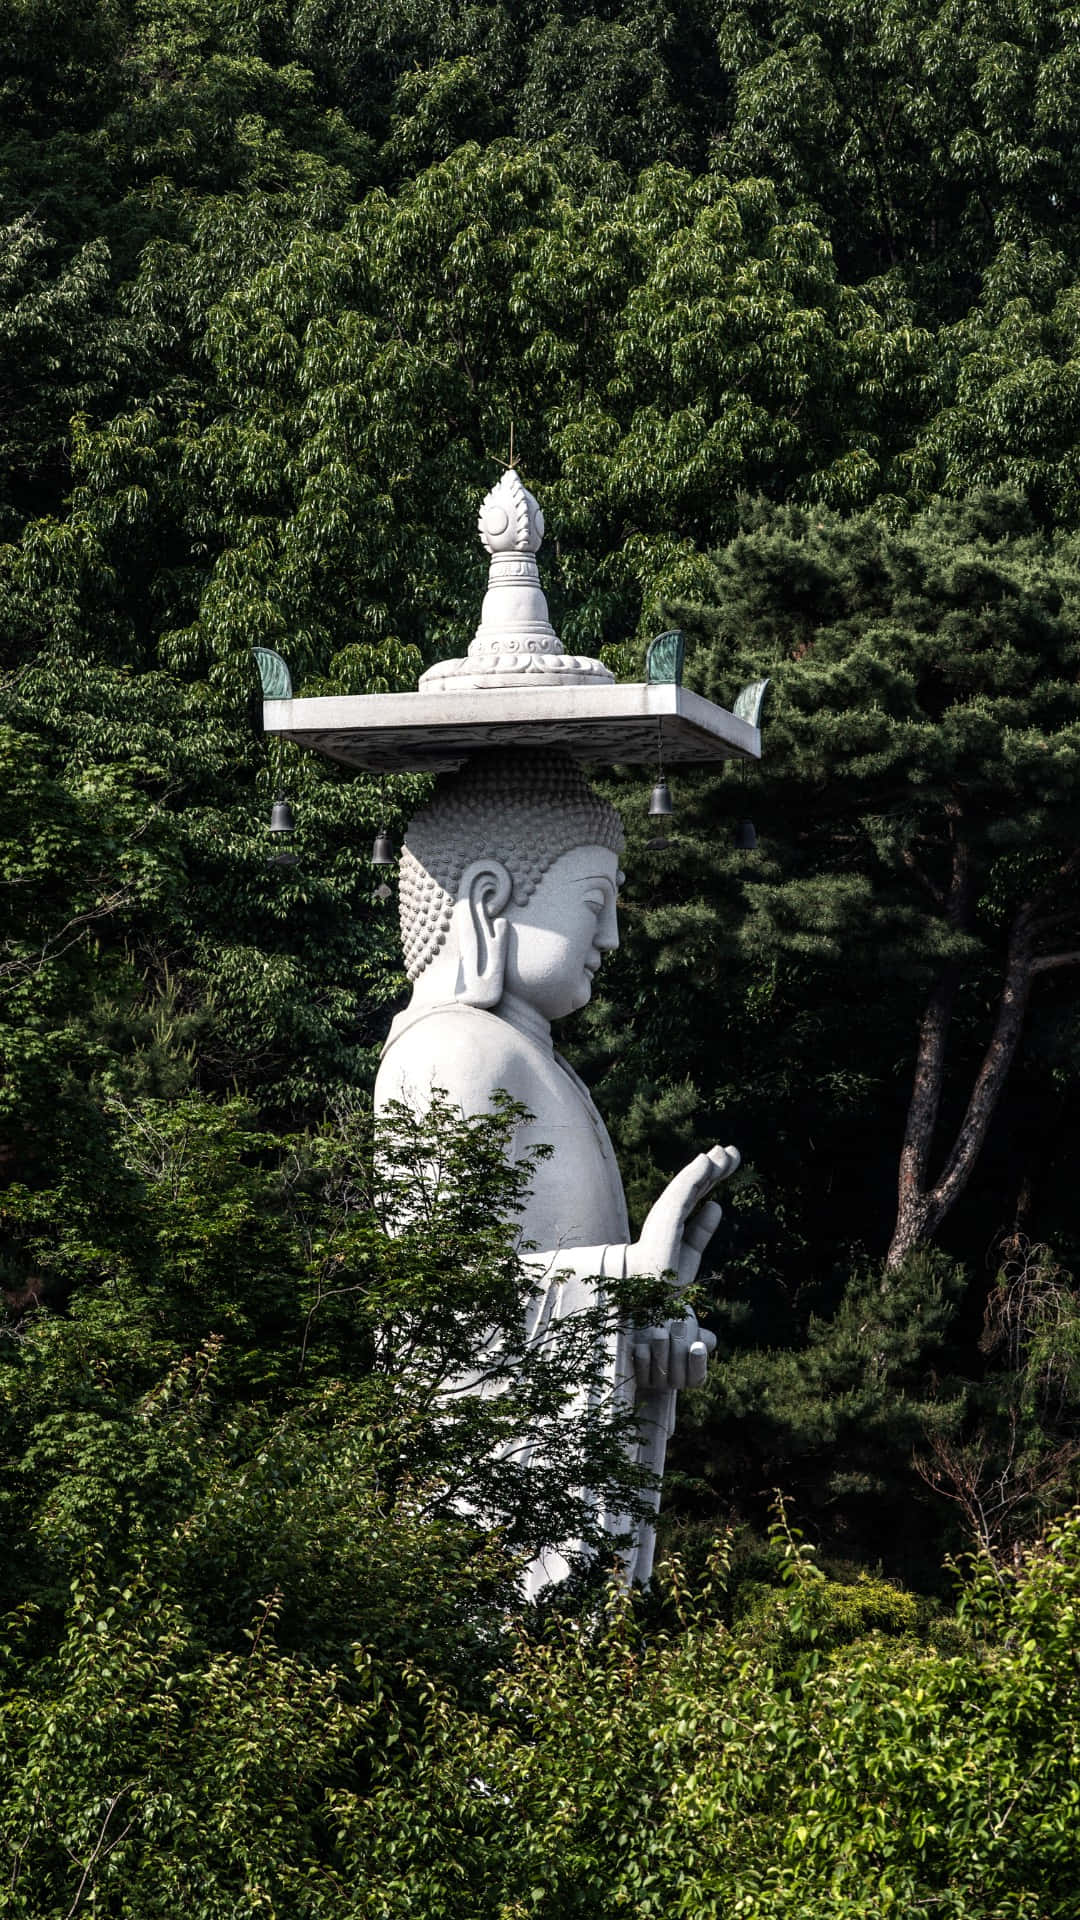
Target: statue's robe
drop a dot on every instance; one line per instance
(576, 1215)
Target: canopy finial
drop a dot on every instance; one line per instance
(515, 643)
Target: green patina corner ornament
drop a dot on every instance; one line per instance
(274, 674)
(664, 660)
(749, 702)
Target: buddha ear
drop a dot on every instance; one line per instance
(482, 934)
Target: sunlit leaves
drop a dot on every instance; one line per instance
(657, 348)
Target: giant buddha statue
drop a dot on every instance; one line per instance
(508, 898)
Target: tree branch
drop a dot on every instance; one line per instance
(919, 873)
(990, 1079)
(99, 1846)
(1021, 966)
(1050, 895)
(920, 1207)
(53, 949)
(1046, 961)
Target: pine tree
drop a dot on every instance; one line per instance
(920, 816)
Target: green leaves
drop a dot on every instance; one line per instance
(278, 1357)
(823, 1754)
(923, 700)
(155, 1773)
(926, 135)
(657, 347)
(273, 287)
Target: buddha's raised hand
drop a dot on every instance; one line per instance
(675, 1234)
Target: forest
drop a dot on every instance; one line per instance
(782, 304)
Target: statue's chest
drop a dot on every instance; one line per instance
(577, 1194)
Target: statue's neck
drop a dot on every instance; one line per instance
(519, 1014)
(438, 990)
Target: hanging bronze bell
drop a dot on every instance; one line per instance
(746, 836)
(282, 825)
(660, 812)
(382, 853)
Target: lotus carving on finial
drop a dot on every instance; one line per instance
(510, 519)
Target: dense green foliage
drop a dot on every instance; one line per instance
(916, 874)
(259, 1403)
(824, 1752)
(782, 304)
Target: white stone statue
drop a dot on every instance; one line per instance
(509, 880)
(508, 893)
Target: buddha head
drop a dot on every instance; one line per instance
(508, 884)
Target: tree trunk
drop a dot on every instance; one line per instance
(913, 1200)
(912, 1197)
(920, 1207)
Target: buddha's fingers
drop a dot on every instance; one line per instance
(726, 1160)
(662, 1234)
(700, 1230)
(697, 1364)
(660, 1356)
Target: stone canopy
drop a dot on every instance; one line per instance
(516, 686)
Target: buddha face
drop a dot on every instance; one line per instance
(557, 940)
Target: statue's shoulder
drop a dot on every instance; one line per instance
(464, 1050)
